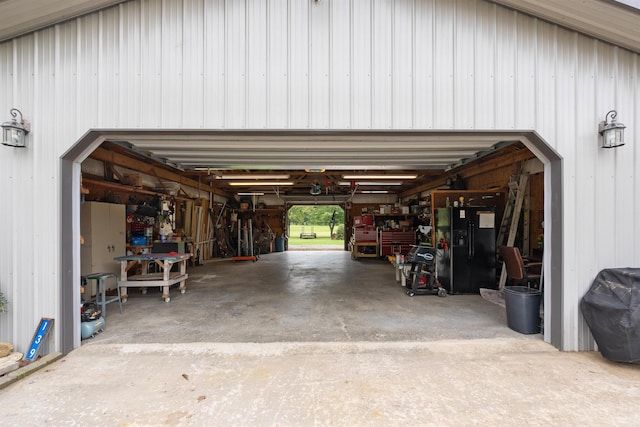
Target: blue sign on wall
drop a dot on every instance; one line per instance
(38, 338)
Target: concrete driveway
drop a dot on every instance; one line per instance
(309, 338)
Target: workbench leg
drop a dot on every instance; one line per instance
(123, 278)
(166, 275)
(102, 290)
(183, 271)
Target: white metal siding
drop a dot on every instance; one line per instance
(359, 64)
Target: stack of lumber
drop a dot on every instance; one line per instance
(197, 224)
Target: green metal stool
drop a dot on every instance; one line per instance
(101, 291)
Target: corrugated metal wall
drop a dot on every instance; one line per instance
(359, 64)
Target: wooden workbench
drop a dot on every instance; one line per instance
(146, 279)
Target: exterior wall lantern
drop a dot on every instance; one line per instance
(14, 132)
(612, 132)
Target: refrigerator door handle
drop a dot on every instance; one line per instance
(472, 240)
(469, 240)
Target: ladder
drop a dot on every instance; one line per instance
(511, 217)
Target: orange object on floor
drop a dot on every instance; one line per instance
(245, 258)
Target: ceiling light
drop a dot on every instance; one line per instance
(253, 176)
(250, 193)
(361, 183)
(314, 170)
(374, 192)
(261, 183)
(413, 176)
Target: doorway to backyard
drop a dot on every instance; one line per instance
(315, 227)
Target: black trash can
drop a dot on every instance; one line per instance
(523, 309)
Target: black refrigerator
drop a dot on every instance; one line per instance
(467, 239)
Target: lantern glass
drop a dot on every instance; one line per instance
(12, 136)
(619, 139)
(613, 137)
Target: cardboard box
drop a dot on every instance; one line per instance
(132, 179)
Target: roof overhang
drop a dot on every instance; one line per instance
(18, 17)
(613, 21)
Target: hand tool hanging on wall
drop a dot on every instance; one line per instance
(316, 189)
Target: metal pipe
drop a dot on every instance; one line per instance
(250, 242)
(245, 238)
(239, 231)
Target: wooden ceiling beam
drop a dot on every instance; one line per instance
(477, 167)
(146, 168)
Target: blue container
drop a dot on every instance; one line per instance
(279, 244)
(138, 241)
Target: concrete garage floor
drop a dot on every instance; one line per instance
(297, 297)
(314, 338)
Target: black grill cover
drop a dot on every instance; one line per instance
(611, 308)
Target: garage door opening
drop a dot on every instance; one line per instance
(316, 227)
(442, 141)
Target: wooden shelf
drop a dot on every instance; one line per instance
(88, 182)
(394, 215)
(261, 210)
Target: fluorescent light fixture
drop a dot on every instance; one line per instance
(249, 176)
(374, 192)
(261, 183)
(372, 183)
(413, 176)
(251, 193)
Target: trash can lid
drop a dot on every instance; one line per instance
(523, 290)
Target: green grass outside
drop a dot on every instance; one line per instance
(323, 235)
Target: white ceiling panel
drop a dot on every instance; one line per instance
(299, 150)
(302, 154)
